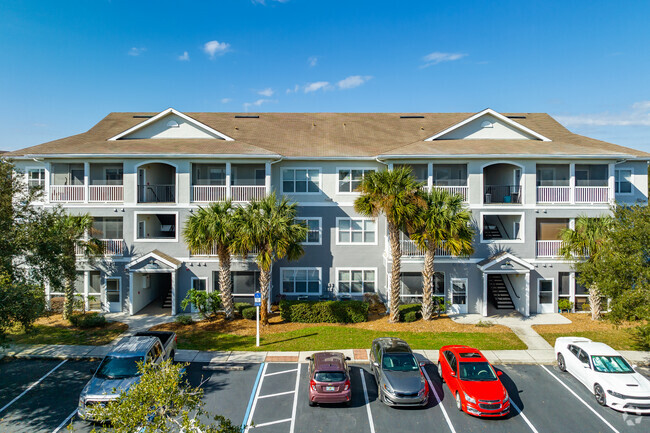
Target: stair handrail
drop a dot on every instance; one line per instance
(502, 226)
(512, 286)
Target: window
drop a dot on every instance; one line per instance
(411, 284)
(112, 290)
(356, 281)
(583, 357)
(199, 284)
(113, 175)
(356, 231)
(156, 227)
(244, 283)
(314, 234)
(545, 291)
(36, 178)
(623, 182)
(108, 227)
(349, 179)
(301, 280)
(301, 180)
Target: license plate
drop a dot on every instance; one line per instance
(329, 388)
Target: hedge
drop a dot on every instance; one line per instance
(90, 320)
(249, 313)
(410, 312)
(324, 311)
(241, 306)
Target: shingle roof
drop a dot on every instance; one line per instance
(328, 135)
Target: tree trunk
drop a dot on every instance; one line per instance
(594, 302)
(225, 281)
(68, 303)
(396, 253)
(265, 279)
(427, 282)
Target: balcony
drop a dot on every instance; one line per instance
(67, 193)
(502, 194)
(112, 247)
(81, 183)
(237, 182)
(106, 193)
(585, 183)
(462, 190)
(502, 184)
(548, 248)
(410, 249)
(156, 193)
(156, 183)
(213, 253)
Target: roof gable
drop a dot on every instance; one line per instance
(504, 262)
(154, 261)
(488, 125)
(170, 124)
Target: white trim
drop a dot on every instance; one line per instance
(165, 113)
(444, 288)
(501, 117)
(357, 268)
(305, 268)
(320, 229)
(631, 170)
(554, 294)
(338, 219)
(149, 255)
(511, 257)
(119, 291)
(522, 228)
(153, 213)
(320, 180)
(364, 169)
(459, 307)
(206, 279)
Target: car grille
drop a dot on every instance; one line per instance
(636, 406)
(406, 394)
(493, 406)
(489, 401)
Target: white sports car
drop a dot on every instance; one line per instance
(605, 372)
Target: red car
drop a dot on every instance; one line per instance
(473, 382)
(329, 378)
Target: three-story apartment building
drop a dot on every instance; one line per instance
(523, 176)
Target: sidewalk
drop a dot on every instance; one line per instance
(531, 356)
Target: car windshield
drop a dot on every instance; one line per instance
(476, 371)
(119, 367)
(611, 364)
(329, 376)
(399, 362)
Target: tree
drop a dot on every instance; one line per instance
(587, 239)
(214, 227)
(162, 401)
(20, 303)
(443, 222)
(393, 193)
(268, 227)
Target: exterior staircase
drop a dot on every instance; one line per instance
(491, 232)
(167, 301)
(498, 293)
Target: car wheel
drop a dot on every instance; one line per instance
(560, 362)
(459, 404)
(440, 372)
(312, 403)
(599, 392)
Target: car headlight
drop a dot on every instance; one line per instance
(388, 389)
(615, 394)
(468, 398)
(505, 399)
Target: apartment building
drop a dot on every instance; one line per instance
(523, 176)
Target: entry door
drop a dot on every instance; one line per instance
(113, 295)
(545, 296)
(458, 296)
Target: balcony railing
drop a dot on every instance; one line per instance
(247, 192)
(207, 193)
(592, 194)
(213, 252)
(69, 193)
(553, 194)
(112, 247)
(462, 190)
(156, 193)
(548, 248)
(106, 193)
(502, 194)
(410, 249)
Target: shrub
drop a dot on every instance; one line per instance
(410, 316)
(249, 313)
(407, 309)
(207, 303)
(241, 306)
(184, 319)
(90, 320)
(486, 324)
(324, 311)
(564, 304)
(641, 337)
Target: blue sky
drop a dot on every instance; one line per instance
(67, 64)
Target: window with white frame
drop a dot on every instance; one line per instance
(356, 231)
(36, 177)
(301, 280)
(199, 284)
(411, 284)
(356, 281)
(313, 236)
(350, 178)
(623, 182)
(301, 180)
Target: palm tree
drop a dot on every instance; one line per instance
(586, 241)
(214, 227)
(268, 227)
(393, 193)
(443, 223)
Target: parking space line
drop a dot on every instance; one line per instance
(439, 400)
(32, 386)
(249, 413)
(295, 400)
(524, 417)
(280, 372)
(365, 394)
(66, 421)
(275, 395)
(273, 422)
(581, 400)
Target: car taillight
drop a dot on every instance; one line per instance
(346, 385)
(175, 338)
(312, 384)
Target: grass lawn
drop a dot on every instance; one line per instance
(618, 339)
(55, 330)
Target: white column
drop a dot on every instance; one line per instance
(527, 297)
(86, 291)
(572, 289)
(174, 288)
(86, 181)
(485, 289)
(48, 173)
(572, 223)
(610, 184)
(572, 183)
(390, 165)
(131, 276)
(48, 296)
(228, 171)
(430, 177)
(267, 178)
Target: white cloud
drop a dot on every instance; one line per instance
(215, 48)
(312, 61)
(257, 103)
(353, 81)
(185, 57)
(263, 2)
(135, 51)
(294, 90)
(268, 92)
(318, 85)
(225, 100)
(438, 57)
(637, 115)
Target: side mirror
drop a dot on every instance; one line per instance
(347, 358)
(376, 364)
(308, 358)
(499, 373)
(422, 364)
(453, 374)
(634, 366)
(586, 365)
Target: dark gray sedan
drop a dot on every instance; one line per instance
(400, 381)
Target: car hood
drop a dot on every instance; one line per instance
(404, 381)
(632, 384)
(105, 389)
(492, 390)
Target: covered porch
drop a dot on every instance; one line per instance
(506, 284)
(153, 283)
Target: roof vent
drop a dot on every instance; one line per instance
(487, 124)
(172, 124)
(142, 116)
(246, 117)
(411, 117)
(516, 117)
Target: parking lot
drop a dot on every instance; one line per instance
(42, 395)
